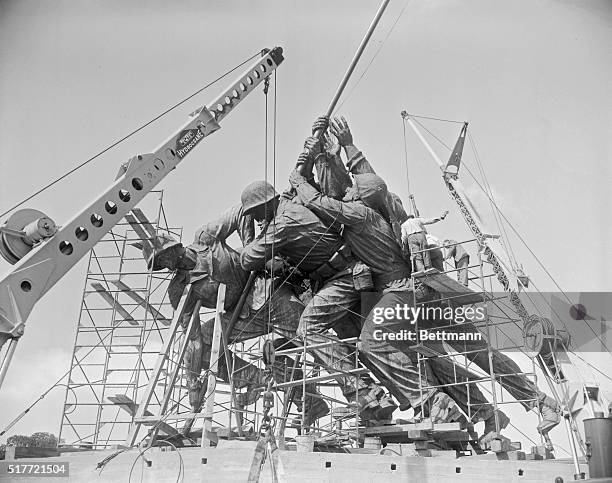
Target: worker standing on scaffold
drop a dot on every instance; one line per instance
(414, 235)
(455, 251)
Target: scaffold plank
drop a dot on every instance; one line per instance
(137, 227)
(458, 293)
(422, 426)
(157, 315)
(113, 303)
(424, 431)
(144, 221)
(131, 407)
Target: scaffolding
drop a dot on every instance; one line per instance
(123, 320)
(231, 412)
(128, 339)
(474, 289)
(127, 372)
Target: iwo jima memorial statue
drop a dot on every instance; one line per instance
(289, 355)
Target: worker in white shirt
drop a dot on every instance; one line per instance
(414, 235)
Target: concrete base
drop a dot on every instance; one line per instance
(231, 461)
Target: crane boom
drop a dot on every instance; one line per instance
(471, 219)
(36, 273)
(546, 355)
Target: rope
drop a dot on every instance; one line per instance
(492, 201)
(58, 382)
(515, 231)
(40, 398)
(433, 135)
(436, 119)
(507, 246)
(373, 57)
(565, 394)
(119, 141)
(269, 323)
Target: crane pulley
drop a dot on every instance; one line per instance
(22, 231)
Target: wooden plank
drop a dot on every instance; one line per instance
(208, 437)
(126, 404)
(144, 221)
(458, 293)
(157, 315)
(107, 296)
(137, 227)
(406, 428)
(168, 417)
(162, 358)
(148, 419)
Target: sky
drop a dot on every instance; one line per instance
(532, 78)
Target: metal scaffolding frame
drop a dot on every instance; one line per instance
(123, 320)
(479, 291)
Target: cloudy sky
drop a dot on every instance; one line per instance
(532, 78)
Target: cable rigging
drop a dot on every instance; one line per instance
(127, 136)
(515, 231)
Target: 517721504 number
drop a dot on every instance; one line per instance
(37, 469)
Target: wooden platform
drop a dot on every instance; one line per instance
(131, 407)
(406, 433)
(457, 293)
(426, 436)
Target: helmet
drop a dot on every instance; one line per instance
(164, 247)
(372, 189)
(257, 194)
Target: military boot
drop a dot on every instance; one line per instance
(443, 409)
(490, 429)
(250, 396)
(372, 405)
(316, 407)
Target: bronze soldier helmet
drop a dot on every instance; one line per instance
(166, 251)
(372, 189)
(256, 194)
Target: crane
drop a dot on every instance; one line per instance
(542, 339)
(43, 253)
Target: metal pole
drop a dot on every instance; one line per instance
(307, 168)
(568, 429)
(353, 64)
(7, 359)
(425, 143)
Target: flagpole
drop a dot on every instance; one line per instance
(353, 64)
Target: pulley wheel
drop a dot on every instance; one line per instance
(12, 247)
(533, 336)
